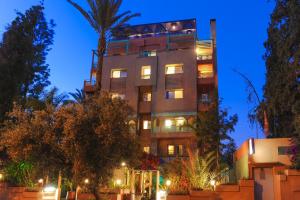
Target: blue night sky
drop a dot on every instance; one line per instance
(241, 32)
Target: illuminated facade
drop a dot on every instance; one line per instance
(167, 75)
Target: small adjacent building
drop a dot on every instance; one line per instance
(264, 160)
(167, 75)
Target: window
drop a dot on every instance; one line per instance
(284, 150)
(117, 95)
(146, 72)
(174, 69)
(168, 123)
(148, 53)
(146, 124)
(171, 150)
(93, 79)
(180, 150)
(118, 73)
(177, 122)
(147, 96)
(146, 149)
(205, 71)
(174, 94)
(205, 98)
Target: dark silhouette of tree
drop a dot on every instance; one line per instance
(78, 96)
(281, 90)
(23, 50)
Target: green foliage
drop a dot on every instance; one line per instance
(96, 139)
(23, 51)
(282, 88)
(212, 129)
(200, 170)
(20, 173)
(175, 172)
(34, 136)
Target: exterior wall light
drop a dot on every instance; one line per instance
(251, 146)
(86, 181)
(40, 181)
(123, 164)
(1, 176)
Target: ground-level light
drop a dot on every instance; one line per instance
(118, 182)
(40, 181)
(168, 183)
(123, 164)
(49, 189)
(161, 194)
(212, 182)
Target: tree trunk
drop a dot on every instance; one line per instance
(101, 52)
(96, 192)
(266, 124)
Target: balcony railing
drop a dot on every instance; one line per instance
(171, 129)
(205, 75)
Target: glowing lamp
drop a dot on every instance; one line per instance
(168, 183)
(49, 189)
(123, 164)
(40, 181)
(86, 181)
(118, 182)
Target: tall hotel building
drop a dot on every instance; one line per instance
(167, 75)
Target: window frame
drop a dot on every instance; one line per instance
(146, 76)
(120, 70)
(175, 71)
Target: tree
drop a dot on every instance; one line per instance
(281, 90)
(104, 17)
(257, 115)
(97, 139)
(78, 96)
(23, 51)
(34, 137)
(212, 129)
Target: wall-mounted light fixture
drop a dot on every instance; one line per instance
(251, 146)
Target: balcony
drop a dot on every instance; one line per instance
(204, 51)
(174, 81)
(206, 78)
(145, 107)
(172, 132)
(89, 86)
(117, 84)
(204, 105)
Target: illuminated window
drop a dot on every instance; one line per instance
(174, 94)
(146, 149)
(171, 149)
(180, 150)
(205, 71)
(148, 53)
(168, 123)
(93, 79)
(117, 95)
(118, 73)
(146, 124)
(146, 72)
(174, 69)
(147, 96)
(179, 121)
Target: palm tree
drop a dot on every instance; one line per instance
(104, 17)
(78, 96)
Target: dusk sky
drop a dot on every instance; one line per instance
(241, 32)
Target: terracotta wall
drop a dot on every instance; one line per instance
(287, 185)
(243, 191)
